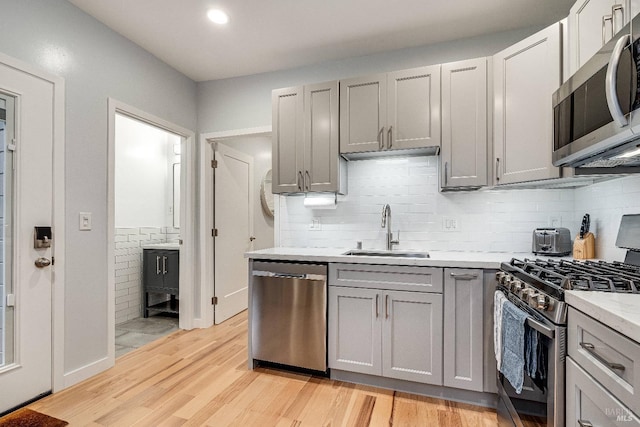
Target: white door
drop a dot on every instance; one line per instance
(233, 219)
(26, 368)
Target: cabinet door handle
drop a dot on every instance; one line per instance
(606, 18)
(381, 138)
(590, 348)
(157, 264)
(164, 265)
(386, 306)
(300, 180)
(497, 168)
(307, 183)
(390, 137)
(377, 313)
(446, 173)
(462, 276)
(585, 423)
(615, 8)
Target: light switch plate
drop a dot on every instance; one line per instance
(85, 221)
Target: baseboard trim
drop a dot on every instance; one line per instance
(87, 371)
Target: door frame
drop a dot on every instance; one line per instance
(58, 220)
(188, 212)
(206, 246)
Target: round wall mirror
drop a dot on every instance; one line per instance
(266, 196)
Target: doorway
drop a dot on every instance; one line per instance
(235, 209)
(151, 228)
(32, 233)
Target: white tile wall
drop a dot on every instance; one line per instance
(496, 220)
(128, 266)
(606, 202)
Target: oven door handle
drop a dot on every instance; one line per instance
(541, 327)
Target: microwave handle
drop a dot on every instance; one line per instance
(611, 80)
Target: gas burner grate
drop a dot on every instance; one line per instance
(583, 275)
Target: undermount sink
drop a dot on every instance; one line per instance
(397, 254)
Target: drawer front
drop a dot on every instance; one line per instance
(611, 358)
(590, 404)
(387, 277)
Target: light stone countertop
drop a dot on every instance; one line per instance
(620, 312)
(165, 246)
(484, 260)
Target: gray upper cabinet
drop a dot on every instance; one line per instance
(321, 144)
(463, 323)
(305, 139)
(525, 77)
(592, 23)
(395, 111)
(463, 160)
(363, 112)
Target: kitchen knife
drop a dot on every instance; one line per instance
(584, 227)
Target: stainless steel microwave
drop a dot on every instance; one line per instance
(596, 113)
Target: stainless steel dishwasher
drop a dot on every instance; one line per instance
(289, 314)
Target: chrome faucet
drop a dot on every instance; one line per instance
(386, 221)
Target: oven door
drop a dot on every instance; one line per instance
(541, 403)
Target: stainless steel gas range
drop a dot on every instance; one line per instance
(537, 287)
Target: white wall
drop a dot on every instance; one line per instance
(96, 63)
(496, 221)
(143, 174)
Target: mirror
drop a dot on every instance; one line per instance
(176, 195)
(266, 196)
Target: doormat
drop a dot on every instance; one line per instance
(27, 418)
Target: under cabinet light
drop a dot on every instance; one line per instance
(320, 200)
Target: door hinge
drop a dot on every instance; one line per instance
(214, 301)
(214, 232)
(11, 300)
(214, 164)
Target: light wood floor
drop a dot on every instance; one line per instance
(200, 378)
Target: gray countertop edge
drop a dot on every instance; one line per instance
(619, 311)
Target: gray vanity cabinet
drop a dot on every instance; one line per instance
(463, 326)
(378, 330)
(161, 275)
(463, 160)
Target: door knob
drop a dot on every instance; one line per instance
(42, 262)
(252, 238)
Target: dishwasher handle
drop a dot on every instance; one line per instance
(260, 273)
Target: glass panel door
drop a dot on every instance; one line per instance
(7, 310)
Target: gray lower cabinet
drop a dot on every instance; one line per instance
(590, 404)
(463, 326)
(161, 275)
(376, 332)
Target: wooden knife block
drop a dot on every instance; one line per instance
(584, 248)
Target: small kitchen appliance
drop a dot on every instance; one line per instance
(584, 245)
(551, 241)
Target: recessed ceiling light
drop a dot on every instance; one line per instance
(218, 16)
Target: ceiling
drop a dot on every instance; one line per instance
(270, 35)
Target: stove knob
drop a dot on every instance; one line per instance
(542, 302)
(517, 286)
(532, 297)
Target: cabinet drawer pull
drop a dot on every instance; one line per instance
(157, 264)
(606, 18)
(386, 306)
(590, 348)
(585, 423)
(164, 265)
(615, 8)
(390, 137)
(446, 173)
(307, 183)
(381, 138)
(497, 168)
(377, 296)
(464, 276)
(300, 180)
